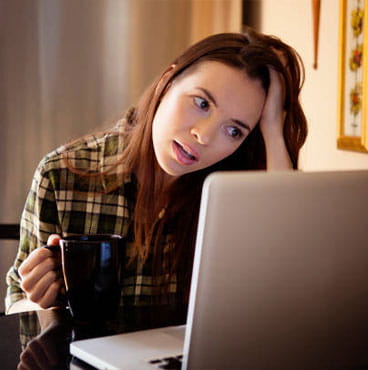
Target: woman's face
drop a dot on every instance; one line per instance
(205, 115)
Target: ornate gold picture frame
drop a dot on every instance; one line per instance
(353, 76)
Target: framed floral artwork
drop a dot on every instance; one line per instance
(353, 76)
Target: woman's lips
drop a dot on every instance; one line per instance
(184, 154)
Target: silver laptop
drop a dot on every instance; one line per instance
(280, 280)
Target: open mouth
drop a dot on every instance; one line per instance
(183, 155)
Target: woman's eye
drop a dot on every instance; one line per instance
(234, 132)
(201, 103)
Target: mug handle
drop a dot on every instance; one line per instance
(52, 248)
(61, 299)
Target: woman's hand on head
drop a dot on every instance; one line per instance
(272, 125)
(273, 115)
(40, 274)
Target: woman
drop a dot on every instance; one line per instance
(229, 102)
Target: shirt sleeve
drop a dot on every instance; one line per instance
(39, 220)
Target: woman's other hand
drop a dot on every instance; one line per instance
(40, 274)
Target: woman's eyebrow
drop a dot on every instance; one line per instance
(213, 100)
(242, 124)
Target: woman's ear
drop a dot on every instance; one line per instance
(163, 80)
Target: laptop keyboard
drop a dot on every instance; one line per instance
(168, 363)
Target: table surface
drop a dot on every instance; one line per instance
(10, 347)
(40, 339)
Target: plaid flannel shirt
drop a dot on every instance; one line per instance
(63, 202)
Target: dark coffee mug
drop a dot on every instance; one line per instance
(91, 267)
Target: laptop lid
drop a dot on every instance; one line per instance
(280, 276)
(280, 279)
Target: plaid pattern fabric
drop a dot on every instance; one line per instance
(66, 202)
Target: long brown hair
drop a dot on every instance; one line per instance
(250, 52)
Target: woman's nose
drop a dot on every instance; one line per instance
(204, 131)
